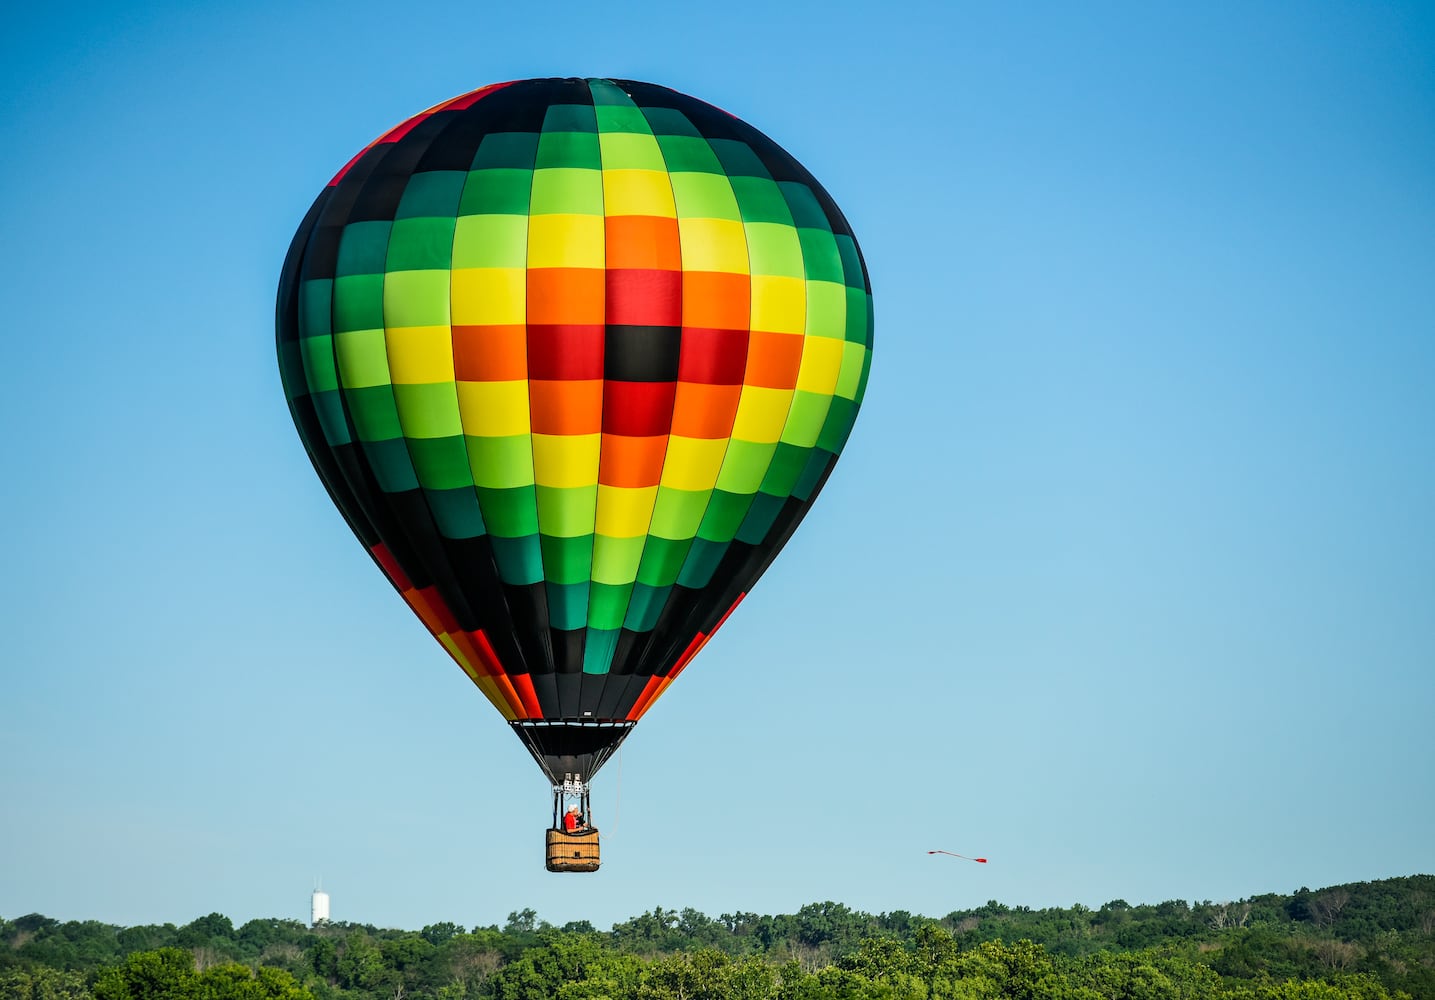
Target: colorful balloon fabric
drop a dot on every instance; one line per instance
(573, 358)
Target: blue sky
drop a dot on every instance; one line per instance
(1126, 579)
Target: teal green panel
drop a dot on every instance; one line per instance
(615, 120)
(598, 648)
(441, 463)
(359, 302)
(423, 244)
(568, 149)
(363, 248)
(316, 302)
(606, 94)
(329, 406)
(318, 360)
(568, 118)
(787, 464)
(684, 153)
(759, 519)
(806, 210)
(837, 425)
(761, 200)
(702, 561)
(567, 605)
(391, 465)
(668, 122)
(560, 191)
(374, 414)
(566, 560)
(820, 258)
(608, 605)
(646, 605)
(433, 193)
(724, 515)
(851, 261)
(518, 559)
(506, 150)
(662, 561)
(511, 513)
(497, 192)
(456, 512)
(858, 316)
(819, 460)
(738, 159)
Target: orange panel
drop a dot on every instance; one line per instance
(705, 411)
(632, 461)
(490, 353)
(566, 407)
(650, 691)
(713, 299)
(773, 359)
(565, 295)
(644, 241)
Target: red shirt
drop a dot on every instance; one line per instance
(570, 821)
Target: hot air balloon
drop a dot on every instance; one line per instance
(573, 358)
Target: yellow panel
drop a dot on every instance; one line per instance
(490, 690)
(821, 362)
(420, 354)
(624, 512)
(494, 409)
(761, 414)
(693, 463)
(565, 241)
(566, 460)
(713, 245)
(779, 305)
(638, 192)
(489, 296)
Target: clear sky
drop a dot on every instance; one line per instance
(1126, 579)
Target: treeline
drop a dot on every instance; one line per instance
(1369, 941)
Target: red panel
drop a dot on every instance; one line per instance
(718, 357)
(645, 298)
(638, 409)
(392, 569)
(523, 684)
(650, 691)
(565, 352)
(468, 100)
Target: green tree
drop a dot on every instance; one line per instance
(165, 974)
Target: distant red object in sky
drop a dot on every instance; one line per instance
(980, 861)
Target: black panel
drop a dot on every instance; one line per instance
(641, 353)
(378, 197)
(577, 750)
(528, 605)
(569, 686)
(546, 687)
(615, 695)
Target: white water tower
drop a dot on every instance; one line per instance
(319, 908)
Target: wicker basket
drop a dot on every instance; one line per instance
(572, 852)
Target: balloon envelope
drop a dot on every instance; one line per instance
(573, 358)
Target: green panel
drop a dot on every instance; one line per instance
(787, 464)
(567, 192)
(630, 151)
(804, 420)
(598, 646)
(518, 559)
(803, 204)
(568, 149)
(856, 359)
(724, 516)
(677, 513)
(416, 298)
(316, 300)
(818, 462)
(510, 513)
(646, 605)
(433, 193)
(568, 118)
(761, 200)
(738, 159)
(671, 122)
(391, 465)
(617, 119)
(456, 512)
(363, 248)
(704, 196)
(826, 309)
(496, 192)
(606, 94)
(703, 559)
(441, 463)
(866, 371)
(422, 244)
(506, 150)
(687, 153)
(374, 414)
(566, 560)
(319, 370)
(608, 605)
(744, 465)
(820, 256)
(773, 249)
(359, 302)
(567, 510)
(759, 520)
(662, 561)
(567, 605)
(615, 560)
(858, 326)
(491, 241)
(837, 425)
(363, 358)
(501, 462)
(851, 261)
(329, 406)
(429, 410)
